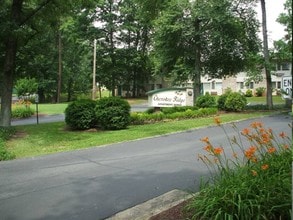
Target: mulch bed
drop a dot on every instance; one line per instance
(175, 213)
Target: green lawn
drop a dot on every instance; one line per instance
(59, 108)
(262, 100)
(34, 140)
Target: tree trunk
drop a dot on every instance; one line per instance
(59, 67)
(266, 55)
(9, 66)
(197, 65)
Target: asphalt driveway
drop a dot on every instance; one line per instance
(98, 182)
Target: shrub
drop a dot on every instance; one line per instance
(222, 99)
(80, 114)
(235, 102)
(205, 101)
(259, 91)
(253, 183)
(113, 113)
(248, 93)
(178, 109)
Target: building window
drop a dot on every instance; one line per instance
(251, 85)
(283, 66)
(241, 85)
(213, 85)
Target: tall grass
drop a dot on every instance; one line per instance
(253, 183)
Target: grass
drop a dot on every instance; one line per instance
(35, 140)
(50, 109)
(262, 100)
(59, 108)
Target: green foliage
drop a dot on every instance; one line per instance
(222, 99)
(112, 113)
(259, 91)
(22, 109)
(188, 113)
(5, 134)
(205, 101)
(22, 112)
(26, 86)
(80, 114)
(254, 184)
(178, 109)
(232, 101)
(248, 93)
(235, 102)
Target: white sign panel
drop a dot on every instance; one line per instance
(168, 98)
(287, 87)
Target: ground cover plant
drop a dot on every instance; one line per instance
(176, 113)
(255, 183)
(5, 134)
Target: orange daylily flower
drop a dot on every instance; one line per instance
(250, 152)
(217, 120)
(282, 134)
(218, 150)
(208, 148)
(256, 124)
(265, 167)
(205, 139)
(271, 150)
(245, 131)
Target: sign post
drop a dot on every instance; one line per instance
(37, 107)
(170, 97)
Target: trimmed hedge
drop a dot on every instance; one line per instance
(139, 118)
(80, 114)
(112, 113)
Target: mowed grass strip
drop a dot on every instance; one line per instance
(42, 139)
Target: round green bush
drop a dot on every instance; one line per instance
(248, 93)
(205, 101)
(112, 113)
(235, 102)
(222, 99)
(80, 114)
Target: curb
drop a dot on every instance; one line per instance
(146, 210)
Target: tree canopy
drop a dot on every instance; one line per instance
(52, 42)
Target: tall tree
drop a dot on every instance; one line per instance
(199, 37)
(266, 55)
(20, 23)
(284, 47)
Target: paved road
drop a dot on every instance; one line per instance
(96, 183)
